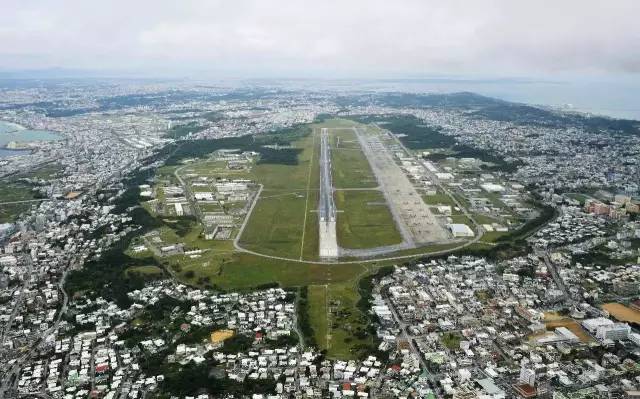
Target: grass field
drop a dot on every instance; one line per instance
(44, 172)
(451, 340)
(13, 191)
(283, 222)
(461, 219)
(492, 236)
(350, 166)
(309, 246)
(275, 227)
(348, 325)
(364, 220)
(578, 197)
(289, 177)
(439, 199)
(318, 299)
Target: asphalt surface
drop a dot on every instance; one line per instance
(327, 206)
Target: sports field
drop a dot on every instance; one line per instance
(553, 320)
(622, 312)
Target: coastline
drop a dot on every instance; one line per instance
(16, 139)
(16, 127)
(8, 153)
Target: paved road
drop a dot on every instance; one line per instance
(236, 241)
(327, 229)
(557, 279)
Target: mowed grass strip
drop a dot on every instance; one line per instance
(318, 314)
(275, 226)
(439, 199)
(247, 270)
(310, 247)
(350, 167)
(364, 220)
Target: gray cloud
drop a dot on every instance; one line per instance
(373, 37)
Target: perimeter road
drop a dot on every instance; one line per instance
(236, 241)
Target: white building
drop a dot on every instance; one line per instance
(614, 332)
(7, 261)
(444, 176)
(460, 230)
(527, 376)
(444, 209)
(203, 196)
(635, 338)
(592, 325)
(492, 187)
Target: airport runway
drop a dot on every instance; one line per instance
(326, 207)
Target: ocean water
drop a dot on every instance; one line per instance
(614, 98)
(4, 153)
(10, 132)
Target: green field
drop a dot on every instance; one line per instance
(309, 241)
(44, 172)
(451, 340)
(289, 177)
(275, 226)
(350, 167)
(364, 220)
(349, 328)
(284, 222)
(14, 191)
(578, 197)
(461, 219)
(318, 300)
(439, 199)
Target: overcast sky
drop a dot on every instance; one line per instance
(325, 37)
